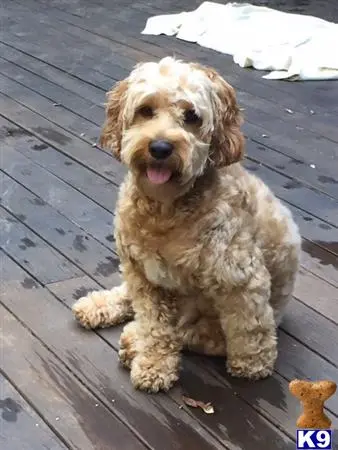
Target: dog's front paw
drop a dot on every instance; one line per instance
(154, 375)
(102, 308)
(253, 367)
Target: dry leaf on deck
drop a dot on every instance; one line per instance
(207, 407)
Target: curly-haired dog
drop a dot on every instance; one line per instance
(208, 254)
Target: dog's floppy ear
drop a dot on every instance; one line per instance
(227, 142)
(111, 134)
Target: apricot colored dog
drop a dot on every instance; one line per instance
(208, 254)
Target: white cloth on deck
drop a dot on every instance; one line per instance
(292, 46)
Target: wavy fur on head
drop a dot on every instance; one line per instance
(170, 89)
(111, 135)
(208, 254)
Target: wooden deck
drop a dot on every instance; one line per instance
(61, 386)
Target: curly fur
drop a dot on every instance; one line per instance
(209, 258)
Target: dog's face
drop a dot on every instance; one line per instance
(168, 121)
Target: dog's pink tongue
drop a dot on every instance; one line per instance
(158, 175)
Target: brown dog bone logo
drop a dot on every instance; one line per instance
(313, 395)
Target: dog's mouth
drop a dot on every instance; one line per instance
(159, 175)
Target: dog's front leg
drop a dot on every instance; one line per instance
(157, 346)
(248, 323)
(104, 308)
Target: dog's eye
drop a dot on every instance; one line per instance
(190, 117)
(146, 111)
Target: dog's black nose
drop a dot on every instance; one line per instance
(161, 149)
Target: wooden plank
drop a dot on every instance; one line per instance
(95, 49)
(130, 52)
(22, 13)
(117, 33)
(61, 196)
(74, 147)
(318, 125)
(95, 364)
(32, 252)
(96, 25)
(71, 122)
(320, 262)
(64, 99)
(59, 232)
(63, 402)
(299, 195)
(80, 177)
(286, 164)
(295, 143)
(124, 54)
(60, 61)
(53, 74)
(70, 47)
(312, 329)
(21, 428)
(317, 294)
(316, 230)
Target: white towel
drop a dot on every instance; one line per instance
(292, 46)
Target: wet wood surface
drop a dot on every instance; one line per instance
(61, 386)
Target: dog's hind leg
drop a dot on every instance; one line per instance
(281, 293)
(205, 336)
(283, 277)
(104, 308)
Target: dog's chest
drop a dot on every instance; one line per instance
(163, 253)
(161, 262)
(159, 273)
(155, 265)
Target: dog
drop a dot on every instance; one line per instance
(209, 256)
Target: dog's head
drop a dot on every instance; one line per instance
(168, 121)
